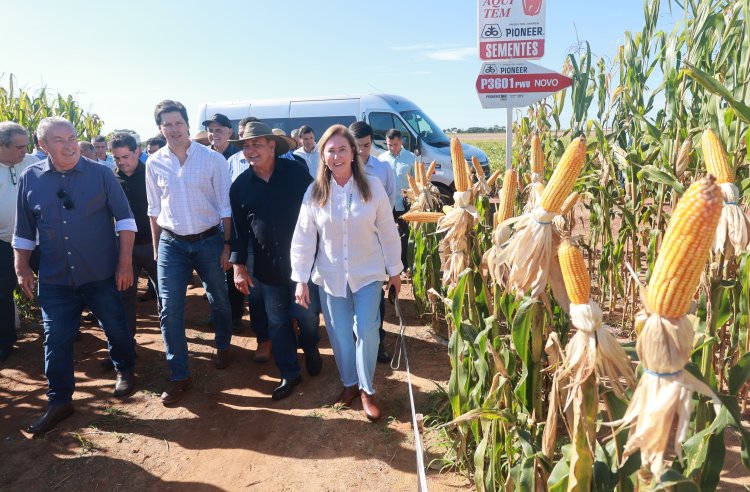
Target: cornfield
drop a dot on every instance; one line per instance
(601, 341)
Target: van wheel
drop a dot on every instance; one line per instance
(446, 193)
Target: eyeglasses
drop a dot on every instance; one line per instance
(13, 175)
(67, 202)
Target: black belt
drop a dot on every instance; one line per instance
(193, 237)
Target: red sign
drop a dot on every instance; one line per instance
(517, 84)
(511, 29)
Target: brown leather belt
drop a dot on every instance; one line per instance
(193, 237)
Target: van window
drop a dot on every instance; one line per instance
(319, 124)
(427, 130)
(381, 123)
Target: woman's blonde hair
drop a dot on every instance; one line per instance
(321, 191)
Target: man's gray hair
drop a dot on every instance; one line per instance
(8, 129)
(50, 122)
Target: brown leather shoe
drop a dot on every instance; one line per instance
(347, 395)
(370, 407)
(263, 352)
(223, 358)
(173, 393)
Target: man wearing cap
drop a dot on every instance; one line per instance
(219, 132)
(187, 186)
(266, 200)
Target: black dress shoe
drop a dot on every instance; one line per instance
(125, 383)
(383, 354)
(5, 353)
(223, 358)
(313, 362)
(286, 388)
(51, 417)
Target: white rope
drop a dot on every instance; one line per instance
(395, 364)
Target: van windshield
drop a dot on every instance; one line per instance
(425, 128)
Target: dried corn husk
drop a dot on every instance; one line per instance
(733, 231)
(558, 392)
(565, 219)
(424, 196)
(457, 225)
(533, 193)
(683, 157)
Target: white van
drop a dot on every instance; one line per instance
(382, 111)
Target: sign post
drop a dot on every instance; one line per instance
(508, 30)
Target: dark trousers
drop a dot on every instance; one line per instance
(61, 311)
(7, 307)
(143, 258)
(236, 298)
(403, 232)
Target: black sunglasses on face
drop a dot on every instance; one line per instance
(67, 202)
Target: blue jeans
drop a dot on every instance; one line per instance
(176, 262)
(61, 311)
(280, 309)
(258, 318)
(358, 311)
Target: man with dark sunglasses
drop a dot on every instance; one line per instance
(14, 142)
(70, 203)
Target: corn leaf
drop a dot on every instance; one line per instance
(712, 85)
(739, 374)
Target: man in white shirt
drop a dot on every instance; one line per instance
(14, 141)
(100, 146)
(188, 197)
(309, 150)
(402, 163)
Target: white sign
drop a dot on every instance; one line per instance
(517, 84)
(511, 29)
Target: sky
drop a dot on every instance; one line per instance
(118, 59)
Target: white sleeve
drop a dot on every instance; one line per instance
(302, 254)
(388, 235)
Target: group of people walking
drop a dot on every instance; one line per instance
(249, 215)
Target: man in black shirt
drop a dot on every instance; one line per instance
(266, 199)
(131, 174)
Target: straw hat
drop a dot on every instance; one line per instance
(202, 137)
(257, 129)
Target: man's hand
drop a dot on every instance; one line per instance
(395, 282)
(302, 295)
(242, 279)
(224, 259)
(27, 282)
(124, 275)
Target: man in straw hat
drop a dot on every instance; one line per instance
(266, 200)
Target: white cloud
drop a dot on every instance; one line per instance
(422, 47)
(453, 54)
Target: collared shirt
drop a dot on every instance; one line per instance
(109, 162)
(402, 164)
(9, 178)
(358, 242)
(134, 187)
(228, 152)
(237, 165)
(264, 215)
(311, 158)
(384, 172)
(188, 198)
(39, 154)
(77, 243)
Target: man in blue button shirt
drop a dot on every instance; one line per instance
(70, 202)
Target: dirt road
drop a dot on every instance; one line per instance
(227, 434)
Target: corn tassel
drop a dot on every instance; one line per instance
(664, 392)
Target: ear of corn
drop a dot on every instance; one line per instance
(575, 273)
(460, 179)
(431, 217)
(413, 184)
(537, 155)
(569, 203)
(477, 167)
(507, 205)
(685, 249)
(564, 177)
(716, 158)
(683, 157)
(430, 171)
(419, 173)
(493, 177)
